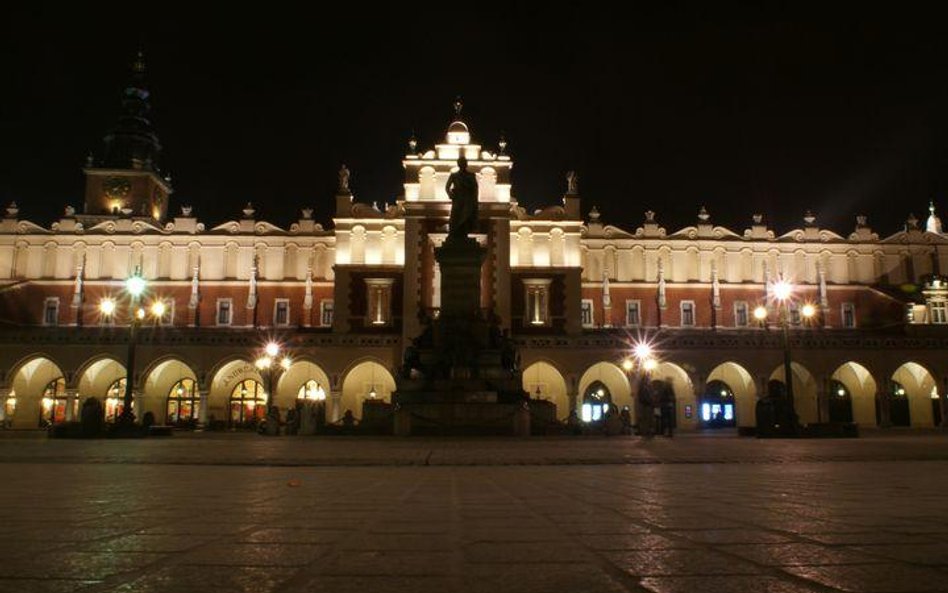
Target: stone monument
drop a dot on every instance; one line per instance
(460, 375)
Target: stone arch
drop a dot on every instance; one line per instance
(805, 391)
(224, 378)
(918, 383)
(551, 384)
(97, 377)
(614, 378)
(358, 383)
(426, 183)
(683, 388)
(158, 380)
(300, 371)
(28, 380)
(742, 385)
(862, 389)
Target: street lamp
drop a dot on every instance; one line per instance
(270, 361)
(135, 286)
(783, 293)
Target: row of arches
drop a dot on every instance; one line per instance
(236, 393)
(728, 394)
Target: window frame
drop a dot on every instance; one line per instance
(276, 309)
(592, 313)
(681, 312)
(638, 313)
(324, 305)
(738, 306)
(230, 312)
(851, 307)
(54, 301)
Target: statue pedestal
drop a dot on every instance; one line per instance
(459, 376)
(460, 260)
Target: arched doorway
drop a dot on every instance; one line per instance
(184, 403)
(543, 381)
(596, 402)
(104, 379)
(910, 396)
(852, 394)
(37, 389)
(115, 400)
(717, 406)
(613, 381)
(741, 390)
(172, 394)
(804, 391)
(676, 383)
(840, 402)
(235, 394)
(248, 404)
(303, 380)
(56, 403)
(365, 382)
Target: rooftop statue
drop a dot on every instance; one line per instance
(462, 189)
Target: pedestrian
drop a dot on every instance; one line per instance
(626, 417)
(644, 411)
(668, 411)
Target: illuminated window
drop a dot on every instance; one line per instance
(325, 313)
(281, 312)
(849, 315)
(51, 311)
(633, 313)
(537, 300)
(54, 403)
(184, 402)
(379, 300)
(741, 314)
(586, 313)
(311, 390)
(224, 311)
(248, 403)
(939, 311)
(115, 400)
(687, 313)
(596, 401)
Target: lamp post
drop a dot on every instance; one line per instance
(268, 362)
(135, 286)
(783, 293)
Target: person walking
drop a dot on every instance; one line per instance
(668, 411)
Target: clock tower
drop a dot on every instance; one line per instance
(125, 181)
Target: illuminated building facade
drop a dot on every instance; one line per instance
(867, 315)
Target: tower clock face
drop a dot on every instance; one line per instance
(117, 188)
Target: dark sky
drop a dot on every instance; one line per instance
(773, 110)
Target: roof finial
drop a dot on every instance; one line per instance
(458, 106)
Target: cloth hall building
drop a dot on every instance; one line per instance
(867, 318)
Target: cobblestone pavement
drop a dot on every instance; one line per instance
(696, 514)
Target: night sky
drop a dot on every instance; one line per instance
(772, 111)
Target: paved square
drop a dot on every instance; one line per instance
(241, 513)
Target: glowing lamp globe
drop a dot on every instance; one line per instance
(782, 290)
(272, 349)
(135, 285)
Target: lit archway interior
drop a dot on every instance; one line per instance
(23, 407)
(741, 384)
(228, 377)
(919, 387)
(299, 373)
(804, 391)
(861, 388)
(681, 384)
(100, 377)
(366, 380)
(614, 378)
(543, 381)
(162, 379)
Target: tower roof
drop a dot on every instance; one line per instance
(132, 143)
